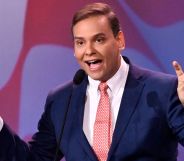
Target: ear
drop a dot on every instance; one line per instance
(121, 40)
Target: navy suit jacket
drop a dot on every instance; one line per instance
(149, 126)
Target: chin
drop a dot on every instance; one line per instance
(95, 77)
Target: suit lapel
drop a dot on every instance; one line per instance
(132, 93)
(78, 102)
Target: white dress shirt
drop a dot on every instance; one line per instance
(116, 88)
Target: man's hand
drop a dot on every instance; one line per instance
(180, 75)
(1, 123)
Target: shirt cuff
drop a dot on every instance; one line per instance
(1, 123)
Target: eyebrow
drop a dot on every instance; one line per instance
(100, 34)
(94, 36)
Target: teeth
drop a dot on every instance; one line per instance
(93, 62)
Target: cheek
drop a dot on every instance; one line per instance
(79, 59)
(78, 55)
(112, 58)
(80, 63)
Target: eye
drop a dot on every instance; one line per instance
(100, 39)
(79, 43)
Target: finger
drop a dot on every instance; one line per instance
(178, 68)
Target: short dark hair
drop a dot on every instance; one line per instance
(97, 9)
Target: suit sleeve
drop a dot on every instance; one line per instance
(41, 147)
(11, 146)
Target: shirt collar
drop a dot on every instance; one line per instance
(116, 81)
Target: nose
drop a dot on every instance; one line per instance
(89, 50)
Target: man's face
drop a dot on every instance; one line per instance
(96, 49)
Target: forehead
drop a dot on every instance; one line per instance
(92, 26)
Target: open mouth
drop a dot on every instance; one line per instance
(93, 62)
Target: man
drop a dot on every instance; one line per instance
(137, 110)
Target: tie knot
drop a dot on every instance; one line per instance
(103, 86)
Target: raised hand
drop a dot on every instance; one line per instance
(180, 75)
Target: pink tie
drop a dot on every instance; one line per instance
(103, 125)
